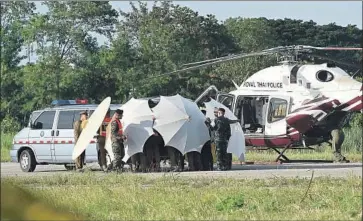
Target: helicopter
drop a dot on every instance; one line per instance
(292, 105)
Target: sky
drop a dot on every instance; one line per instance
(321, 12)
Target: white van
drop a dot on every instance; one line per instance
(49, 137)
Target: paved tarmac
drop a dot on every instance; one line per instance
(290, 170)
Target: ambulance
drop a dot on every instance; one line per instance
(49, 136)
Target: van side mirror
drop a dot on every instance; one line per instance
(38, 125)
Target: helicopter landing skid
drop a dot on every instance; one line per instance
(282, 158)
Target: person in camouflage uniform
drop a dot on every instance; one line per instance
(78, 126)
(222, 133)
(117, 139)
(336, 123)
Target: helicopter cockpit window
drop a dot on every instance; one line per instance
(324, 76)
(277, 110)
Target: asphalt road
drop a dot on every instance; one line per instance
(301, 170)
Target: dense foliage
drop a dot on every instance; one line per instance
(143, 43)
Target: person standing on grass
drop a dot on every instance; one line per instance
(117, 138)
(78, 126)
(101, 141)
(206, 153)
(222, 133)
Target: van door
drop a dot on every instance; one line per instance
(64, 136)
(210, 92)
(41, 136)
(278, 108)
(227, 100)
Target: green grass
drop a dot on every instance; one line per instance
(323, 153)
(132, 197)
(6, 144)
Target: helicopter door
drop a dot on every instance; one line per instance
(227, 100)
(211, 92)
(278, 107)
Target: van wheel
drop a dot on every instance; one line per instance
(27, 161)
(69, 167)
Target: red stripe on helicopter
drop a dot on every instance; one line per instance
(350, 102)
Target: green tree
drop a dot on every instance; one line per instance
(62, 33)
(14, 17)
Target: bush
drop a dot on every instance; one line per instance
(9, 125)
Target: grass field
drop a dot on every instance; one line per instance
(131, 197)
(352, 149)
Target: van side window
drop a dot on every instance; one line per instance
(66, 119)
(45, 120)
(278, 110)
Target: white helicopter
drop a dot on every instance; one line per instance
(292, 104)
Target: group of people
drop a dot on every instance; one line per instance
(149, 159)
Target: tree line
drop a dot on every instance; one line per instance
(142, 43)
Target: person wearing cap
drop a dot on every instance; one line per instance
(78, 126)
(117, 138)
(101, 141)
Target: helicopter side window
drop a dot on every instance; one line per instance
(324, 76)
(278, 110)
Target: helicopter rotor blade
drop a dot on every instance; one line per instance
(212, 63)
(329, 48)
(210, 60)
(336, 61)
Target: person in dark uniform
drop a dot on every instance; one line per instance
(222, 130)
(176, 159)
(194, 161)
(152, 151)
(138, 162)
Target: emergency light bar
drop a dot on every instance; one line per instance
(68, 102)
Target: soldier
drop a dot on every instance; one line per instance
(117, 139)
(222, 133)
(337, 135)
(78, 127)
(337, 138)
(101, 141)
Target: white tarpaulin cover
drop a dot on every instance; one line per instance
(137, 125)
(236, 144)
(181, 123)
